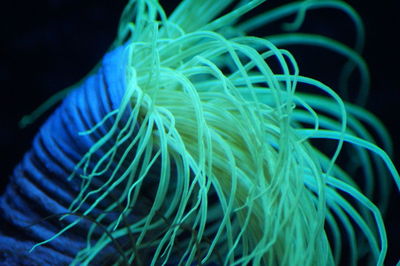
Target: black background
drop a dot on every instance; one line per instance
(48, 45)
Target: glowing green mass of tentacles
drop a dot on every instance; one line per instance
(240, 179)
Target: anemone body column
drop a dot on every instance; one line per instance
(40, 187)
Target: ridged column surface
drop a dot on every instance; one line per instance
(39, 185)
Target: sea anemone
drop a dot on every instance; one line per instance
(195, 142)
